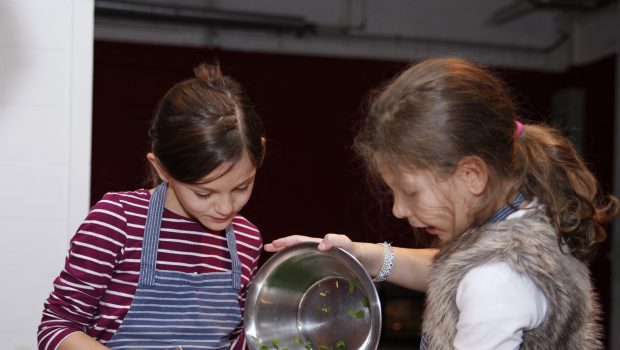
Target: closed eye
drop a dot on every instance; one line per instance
(242, 188)
(203, 195)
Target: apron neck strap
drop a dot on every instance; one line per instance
(234, 258)
(151, 235)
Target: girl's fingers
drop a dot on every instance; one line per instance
(281, 243)
(335, 240)
(328, 242)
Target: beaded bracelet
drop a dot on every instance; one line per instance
(388, 262)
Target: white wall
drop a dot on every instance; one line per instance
(45, 135)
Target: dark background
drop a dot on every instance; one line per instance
(310, 182)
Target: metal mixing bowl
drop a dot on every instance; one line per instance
(303, 298)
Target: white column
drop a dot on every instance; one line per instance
(46, 61)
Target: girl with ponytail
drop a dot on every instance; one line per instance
(514, 210)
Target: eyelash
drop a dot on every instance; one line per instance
(205, 196)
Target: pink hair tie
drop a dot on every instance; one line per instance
(519, 127)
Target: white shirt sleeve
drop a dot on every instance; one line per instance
(496, 305)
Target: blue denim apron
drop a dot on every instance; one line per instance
(174, 309)
(499, 215)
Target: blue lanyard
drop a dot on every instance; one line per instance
(506, 210)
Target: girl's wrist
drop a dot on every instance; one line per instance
(369, 254)
(387, 262)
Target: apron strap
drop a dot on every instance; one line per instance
(151, 235)
(234, 258)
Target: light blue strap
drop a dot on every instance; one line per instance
(234, 258)
(424, 343)
(506, 210)
(151, 235)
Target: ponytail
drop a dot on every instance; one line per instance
(549, 168)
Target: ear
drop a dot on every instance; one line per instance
(158, 167)
(474, 173)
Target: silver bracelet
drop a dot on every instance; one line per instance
(387, 264)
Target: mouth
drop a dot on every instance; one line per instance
(431, 230)
(221, 220)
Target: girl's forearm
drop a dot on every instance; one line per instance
(412, 268)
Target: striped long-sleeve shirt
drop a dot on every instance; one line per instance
(95, 289)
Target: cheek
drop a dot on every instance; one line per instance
(199, 205)
(436, 210)
(241, 200)
(192, 203)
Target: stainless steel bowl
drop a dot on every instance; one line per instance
(303, 298)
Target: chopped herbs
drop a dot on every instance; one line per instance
(308, 345)
(365, 302)
(324, 309)
(355, 314)
(297, 340)
(340, 345)
(276, 344)
(324, 347)
(352, 283)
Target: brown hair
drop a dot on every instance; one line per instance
(440, 110)
(203, 122)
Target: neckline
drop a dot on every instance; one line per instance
(506, 210)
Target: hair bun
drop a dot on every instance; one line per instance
(211, 74)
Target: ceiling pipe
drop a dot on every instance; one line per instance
(520, 8)
(291, 24)
(207, 17)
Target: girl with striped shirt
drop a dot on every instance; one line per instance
(169, 267)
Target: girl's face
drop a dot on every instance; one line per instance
(219, 196)
(440, 206)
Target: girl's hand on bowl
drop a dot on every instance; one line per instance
(330, 241)
(278, 244)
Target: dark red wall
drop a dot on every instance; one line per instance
(309, 183)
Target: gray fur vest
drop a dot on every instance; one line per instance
(529, 245)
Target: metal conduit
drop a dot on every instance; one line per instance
(207, 17)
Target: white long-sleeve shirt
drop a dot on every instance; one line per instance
(496, 305)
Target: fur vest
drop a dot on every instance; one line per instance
(529, 245)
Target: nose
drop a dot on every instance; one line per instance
(400, 209)
(225, 206)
